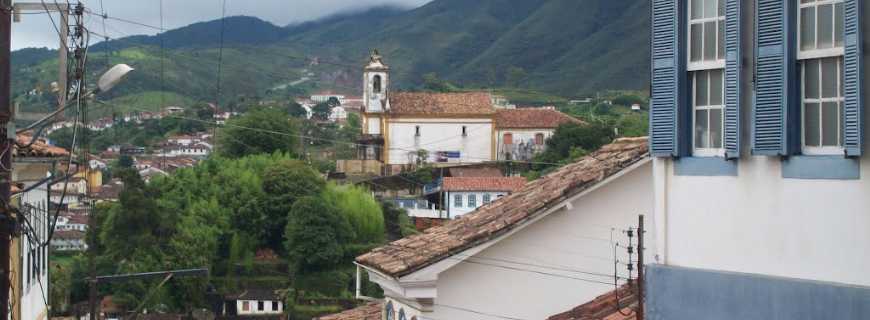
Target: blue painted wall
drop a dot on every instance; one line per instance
(675, 293)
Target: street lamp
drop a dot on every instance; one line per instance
(107, 81)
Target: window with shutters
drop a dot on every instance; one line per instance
(820, 52)
(706, 68)
(457, 201)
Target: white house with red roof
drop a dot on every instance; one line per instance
(462, 195)
(523, 132)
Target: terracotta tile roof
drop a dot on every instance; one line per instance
(425, 103)
(38, 149)
(415, 252)
(531, 118)
(605, 307)
(474, 172)
(483, 183)
(371, 311)
(69, 235)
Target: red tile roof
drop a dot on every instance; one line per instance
(370, 311)
(415, 252)
(510, 184)
(531, 118)
(69, 235)
(39, 148)
(424, 103)
(605, 307)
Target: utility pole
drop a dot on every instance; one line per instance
(7, 222)
(640, 279)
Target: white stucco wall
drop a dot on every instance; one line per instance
(761, 223)
(267, 307)
(440, 135)
(576, 239)
(33, 305)
(456, 210)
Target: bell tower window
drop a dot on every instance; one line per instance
(376, 84)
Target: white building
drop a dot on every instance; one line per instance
(254, 302)
(325, 96)
(465, 194)
(68, 241)
(523, 132)
(29, 274)
(529, 255)
(450, 127)
(763, 212)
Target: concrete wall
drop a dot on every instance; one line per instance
(519, 135)
(689, 294)
(577, 239)
(759, 222)
(440, 135)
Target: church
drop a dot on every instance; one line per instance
(403, 129)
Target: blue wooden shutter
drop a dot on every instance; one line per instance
(852, 85)
(774, 63)
(668, 78)
(733, 65)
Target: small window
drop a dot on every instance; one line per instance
(708, 106)
(472, 201)
(487, 198)
(823, 106)
(376, 84)
(417, 131)
(260, 306)
(389, 311)
(464, 131)
(539, 139)
(275, 305)
(706, 33)
(246, 306)
(457, 201)
(508, 138)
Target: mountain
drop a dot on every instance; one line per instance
(563, 47)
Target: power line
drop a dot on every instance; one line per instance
(478, 312)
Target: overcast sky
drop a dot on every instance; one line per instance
(36, 30)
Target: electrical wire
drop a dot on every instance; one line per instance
(477, 312)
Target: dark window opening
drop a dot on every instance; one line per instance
(417, 131)
(464, 131)
(259, 305)
(376, 84)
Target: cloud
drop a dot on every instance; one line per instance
(36, 30)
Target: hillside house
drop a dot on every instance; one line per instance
(254, 302)
(530, 255)
(68, 241)
(461, 195)
(522, 133)
(761, 186)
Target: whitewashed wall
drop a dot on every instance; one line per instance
(267, 307)
(440, 135)
(575, 239)
(759, 222)
(460, 209)
(34, 291)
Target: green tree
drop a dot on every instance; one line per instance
(125, 161)
(572, 140)
(431, 82)
(515, 75)
(296, 110)
(321, 111)
(284, 184)
(360, 209)
(317, 235)
(333, 102)
(392, 220)
(259, 131)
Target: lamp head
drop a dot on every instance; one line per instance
(112, 77)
